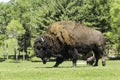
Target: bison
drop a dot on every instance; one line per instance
(66, 39)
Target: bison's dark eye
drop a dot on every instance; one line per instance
(44, 48)
(38, 48)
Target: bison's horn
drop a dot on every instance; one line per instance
(42, 39)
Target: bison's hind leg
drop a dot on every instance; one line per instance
(99, 52)
(103, 59)
(90, 60)
(102, 55)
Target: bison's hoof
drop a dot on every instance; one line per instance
(95, 65)
(103, 64)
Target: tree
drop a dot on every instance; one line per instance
(56, 10)
(96, 14)
(115, 23)
(14, 29)
(5, 15)
(5, 18)
(2, 38)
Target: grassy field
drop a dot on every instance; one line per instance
(27, 70)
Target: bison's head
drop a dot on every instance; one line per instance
(42, 48)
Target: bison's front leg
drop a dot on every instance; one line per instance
(74, 54)
(59, 60)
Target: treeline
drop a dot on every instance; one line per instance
(32, 17)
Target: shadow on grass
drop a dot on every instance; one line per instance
(51, 60)
(35, 61)
(2, 59)
(114, 58)
(65, 67)
(43, 67)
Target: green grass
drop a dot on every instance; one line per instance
(26, 70)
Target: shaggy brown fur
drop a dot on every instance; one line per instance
(63, 31)
(70, 33)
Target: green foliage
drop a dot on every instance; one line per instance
(5, 15)
(115, 12)
(96, 14)
(93, 13)
(12, 43)
(2, 37)
(14, 29)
